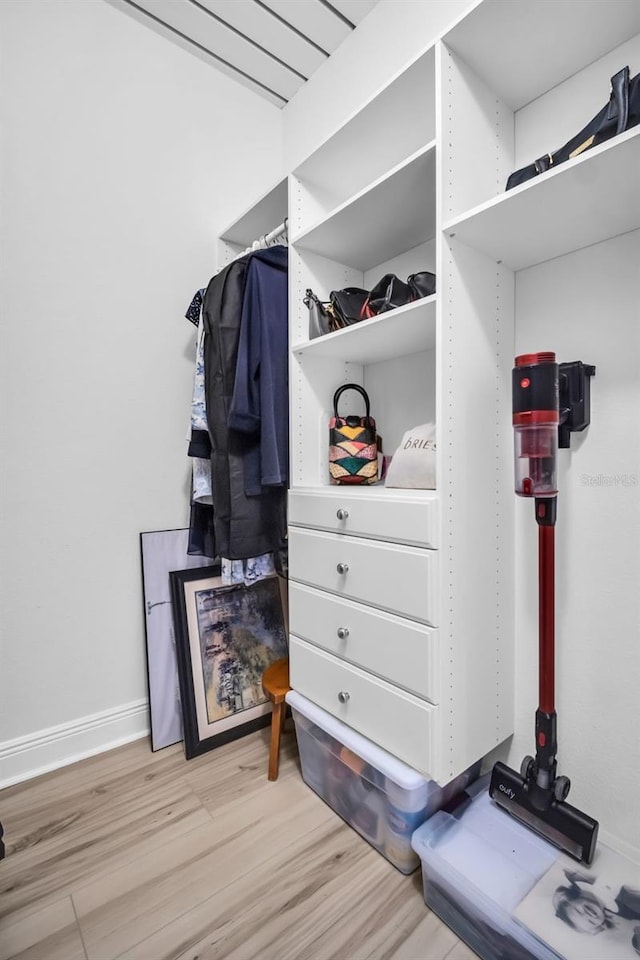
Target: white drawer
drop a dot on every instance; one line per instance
(395, 720)
(384, 515)
(401, 651)
(396, 578)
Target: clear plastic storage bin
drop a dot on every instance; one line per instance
(477, 865)
(383, 799)
(513, 896)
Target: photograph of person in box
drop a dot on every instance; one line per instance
(591, 912)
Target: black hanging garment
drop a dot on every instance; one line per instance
(244, 525)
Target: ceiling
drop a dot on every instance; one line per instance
(271, 46)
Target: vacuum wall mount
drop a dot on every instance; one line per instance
(550, 401)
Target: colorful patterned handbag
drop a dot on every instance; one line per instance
(353, 447)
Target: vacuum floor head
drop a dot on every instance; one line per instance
(556, 820)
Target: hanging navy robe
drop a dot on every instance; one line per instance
(260, 403)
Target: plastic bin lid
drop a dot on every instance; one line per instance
(397, 771)
(487, 849)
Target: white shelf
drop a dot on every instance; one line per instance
(393, 124)
(374, 491)
(260, 218)
(522, 49)
(398, 333)
(390, 216)
(594, 197)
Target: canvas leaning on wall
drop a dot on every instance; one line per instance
(226, 637)
(163, 551)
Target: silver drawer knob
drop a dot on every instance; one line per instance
(343, 632)
(342, 514)
(343, 696)
(342, 568)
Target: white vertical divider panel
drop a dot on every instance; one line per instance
(315, 202)
(478, 139)
(477, 502)
(474, 346)
(226, 252)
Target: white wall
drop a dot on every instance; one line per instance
(598, 562)
(124, 156)
(568, 305)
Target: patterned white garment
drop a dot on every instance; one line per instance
(201, 469)
(247, 571)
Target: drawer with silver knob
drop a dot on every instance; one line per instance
(392, 718)
(393, 577)
(401, 651)
(397, 515)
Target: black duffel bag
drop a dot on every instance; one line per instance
(621, 113)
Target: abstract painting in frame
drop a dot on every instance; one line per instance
(226, 636)
(163, 551)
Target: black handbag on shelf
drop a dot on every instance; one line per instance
(319, 315)
(347, 306)
(422, 284)
(621, 113)
(389, 292)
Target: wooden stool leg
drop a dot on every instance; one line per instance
(274, 749)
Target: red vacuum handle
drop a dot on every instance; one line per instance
(546, 617)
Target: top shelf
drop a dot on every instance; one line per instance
(260, 218)
(395, 123)
(390, 216)
(584, 201)
(522, 49)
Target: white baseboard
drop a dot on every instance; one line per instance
(625, 847)
(37, 753)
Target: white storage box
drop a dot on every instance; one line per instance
(499, 886)
(378, 795)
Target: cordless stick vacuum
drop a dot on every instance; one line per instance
(549, 401)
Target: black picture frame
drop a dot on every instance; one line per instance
(160, 552)
(225, 636)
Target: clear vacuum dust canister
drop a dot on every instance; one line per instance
(535, 423)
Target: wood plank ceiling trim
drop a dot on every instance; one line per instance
(273, 46)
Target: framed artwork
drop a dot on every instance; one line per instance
(163, 551)
(226, 636)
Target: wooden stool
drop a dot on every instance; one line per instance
(275, 683)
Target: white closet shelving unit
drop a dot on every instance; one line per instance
(413, 645)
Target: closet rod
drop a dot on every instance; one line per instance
(262, 242)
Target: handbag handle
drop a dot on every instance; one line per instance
(349, 386)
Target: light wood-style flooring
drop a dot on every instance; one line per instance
(144, 856)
